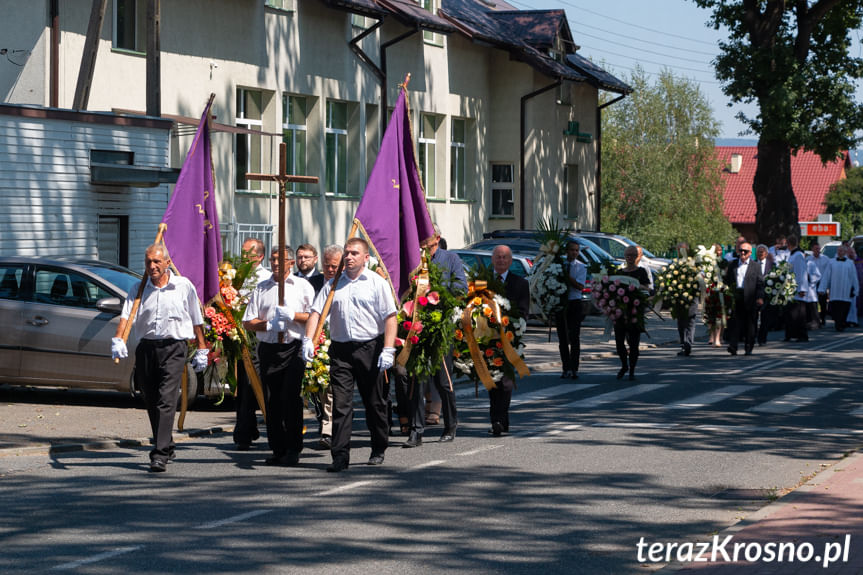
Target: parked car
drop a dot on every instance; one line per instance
(520, 265)
(615, 244)
(525, 242)
(58, 318)
(829, 249)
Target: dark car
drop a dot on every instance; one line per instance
(526, 242)
(58, 318)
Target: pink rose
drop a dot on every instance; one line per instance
(636, 303)
(625, 299)
(415, 339)
(418, 327)
(620, 291)
(408, 308)
(434, 298)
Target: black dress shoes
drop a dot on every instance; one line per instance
(338, 465)
(415, 440)
(158, 466)
(448, 435)
(623, 371)
(496, 429)
(732, 350)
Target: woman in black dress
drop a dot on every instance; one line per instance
(624, 330)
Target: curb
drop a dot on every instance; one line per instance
(772, 507)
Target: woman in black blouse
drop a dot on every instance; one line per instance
(625, 331)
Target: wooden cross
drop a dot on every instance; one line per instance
(283, 178)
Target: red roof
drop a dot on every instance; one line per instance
(810, 179)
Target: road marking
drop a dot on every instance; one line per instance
(341, 488)
(626, 424)
(95, 558)
(616, 395)
(690, 372)
(710, 397)
(858, 411)
(480, 450)
(794, 400)
(431, 463)
(550, 392)
(234, 519)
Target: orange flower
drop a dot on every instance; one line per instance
(455, 353)
(489, 352)
(459, 335)
(497, 362)
(487, 311)
(505, 320)
(477, 301)
(510, 335)
(498, 345)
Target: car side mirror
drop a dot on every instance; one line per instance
(110, 305)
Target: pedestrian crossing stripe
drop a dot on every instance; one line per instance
(710, 397)
(793, 401)
(624, 393)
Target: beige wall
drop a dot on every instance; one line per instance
(307, 53)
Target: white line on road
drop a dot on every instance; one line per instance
(699, 373)
(550, 392)
(234, 519)
(431, 463)
(341, 488)
(858, 411)
(710, 397)
(794, 400)
(627, 424)
(480, 450)
(616, 395)
(95, 558)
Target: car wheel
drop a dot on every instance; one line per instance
(195, 387)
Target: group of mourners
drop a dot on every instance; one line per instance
(824, 286)
(362, 323)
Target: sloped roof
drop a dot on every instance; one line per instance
(602, 78)
(810, 179)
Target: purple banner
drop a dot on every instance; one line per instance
(192, 236)
(393, 212)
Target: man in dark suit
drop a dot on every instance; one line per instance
(307, 266)
(765, 317)
(517, 291)
(744, 276)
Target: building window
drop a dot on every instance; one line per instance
(337, 148)
(249, 146)
(572, 185)
(280, 4)
(431, 37)
(130, 25)
(426, 152)
(458, 151)
(295, 112)
(502, 190)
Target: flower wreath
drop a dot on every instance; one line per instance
(780, 285)
(679, 284)
(621, 299)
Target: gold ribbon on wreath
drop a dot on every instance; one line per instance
(478, 290)
(423, 285)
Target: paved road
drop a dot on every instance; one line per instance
(688, 449)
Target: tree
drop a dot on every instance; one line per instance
(792, 60)
(661, 180)
(845, 202)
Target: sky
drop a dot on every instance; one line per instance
(655, 34)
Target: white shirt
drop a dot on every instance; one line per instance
(840, 278)
(814, 278)
(168, 312)
(299, 294)
(578, 273)
(798, 264)
(360, 306)
(742, 267)
(643, 264)
(823, 262)
(779, 255)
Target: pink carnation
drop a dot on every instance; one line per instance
(620, 291)
(407, 325)
(414, 339)
(636, 303)
(423, 300)
(434, 298)
(418, 327)
(625, 299)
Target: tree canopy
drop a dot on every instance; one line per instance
(660, 177)
(845, 202)
(794, 60)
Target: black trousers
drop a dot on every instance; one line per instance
(246, 426)
(357, 361)
(282, 369)
(839, 312)
(414, 392)
(568, 325)
(631, 335)
(822, 307)
(499, 399)
(795, 320)
(686, 329)
(742, 325)
(159, 365)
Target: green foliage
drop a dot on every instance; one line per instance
(845, 202)
(796, 61)
(660, 177)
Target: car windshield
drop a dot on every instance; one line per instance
(120, 277)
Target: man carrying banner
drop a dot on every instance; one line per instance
(362, 331)
(281, 364)
(168, 316)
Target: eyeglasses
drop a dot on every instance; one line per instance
(745, 251)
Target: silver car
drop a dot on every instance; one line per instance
(58, 318)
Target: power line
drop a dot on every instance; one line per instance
(644, 49)
(613, 33)
(665, 64)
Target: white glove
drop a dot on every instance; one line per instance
(118, 348)
(285, 313)
(387, 358)
(276, 325)
(308, 350)
(199, 360)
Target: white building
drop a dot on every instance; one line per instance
(505, 113)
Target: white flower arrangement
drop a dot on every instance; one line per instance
(780, 285)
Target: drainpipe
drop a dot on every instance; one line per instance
(522, 195)
(54, 74)
(354, 45)
(598, 207)
(384, 87)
